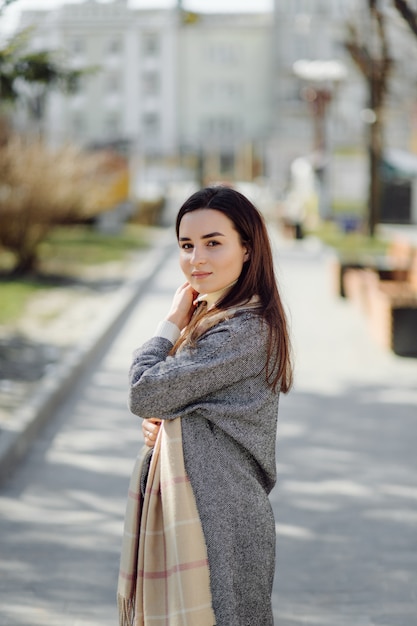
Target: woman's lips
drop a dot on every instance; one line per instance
(200, 275)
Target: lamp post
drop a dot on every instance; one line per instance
(320, 78)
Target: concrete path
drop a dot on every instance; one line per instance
(346, 502)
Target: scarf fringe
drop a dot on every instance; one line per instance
(126, 608)
(164, 575)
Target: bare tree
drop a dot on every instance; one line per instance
(42, 188)
(409, 15)
(369, 50)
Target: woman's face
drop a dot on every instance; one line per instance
(211, 252)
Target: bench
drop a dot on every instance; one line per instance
(389, 300)
(392, 266)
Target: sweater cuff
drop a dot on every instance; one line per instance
(168, 330)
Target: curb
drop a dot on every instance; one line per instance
(17, 437)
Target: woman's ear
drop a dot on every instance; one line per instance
(246, 255)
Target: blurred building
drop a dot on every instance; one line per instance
(128, 94)
(217, 93)
(225, 99)
(177, 90)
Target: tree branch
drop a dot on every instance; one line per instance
(407, 13)
(359, 53)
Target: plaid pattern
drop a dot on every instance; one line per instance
(164, 574)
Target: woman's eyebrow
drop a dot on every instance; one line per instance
(208, 236)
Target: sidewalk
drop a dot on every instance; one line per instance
(346, 500)
(100, 319)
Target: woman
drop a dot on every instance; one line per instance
(199, 545)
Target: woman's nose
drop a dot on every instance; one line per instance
(197, 256)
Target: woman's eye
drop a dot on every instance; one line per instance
(186, 246)
(213, 243)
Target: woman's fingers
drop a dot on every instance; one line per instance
(150, 429)
(182, 307)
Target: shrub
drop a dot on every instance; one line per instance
(41, 188)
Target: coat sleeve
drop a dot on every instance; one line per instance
(166, 386)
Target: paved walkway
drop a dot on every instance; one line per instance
(346, 502)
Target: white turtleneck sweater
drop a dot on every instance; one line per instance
(169, 330)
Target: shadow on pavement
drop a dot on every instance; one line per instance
(346, 509)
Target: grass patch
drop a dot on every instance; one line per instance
(348, 207)
(349, 150)
(14, 296)
(66, 252)
(352, 245)
(82, 245)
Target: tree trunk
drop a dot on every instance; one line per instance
(375, 158)
(377, 91)
(26, 263)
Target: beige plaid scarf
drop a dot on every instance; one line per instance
(164, 575)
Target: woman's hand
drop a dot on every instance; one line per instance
(150, 429)
(182, 307)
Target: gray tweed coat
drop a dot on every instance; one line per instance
(229, 420)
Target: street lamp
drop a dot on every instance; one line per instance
(320, 78)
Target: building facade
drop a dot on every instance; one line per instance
(129, 58)
(214, 93)
(225, 99)
(194, 93)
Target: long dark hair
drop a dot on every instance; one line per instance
(257, 277)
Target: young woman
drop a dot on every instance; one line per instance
(199, 545)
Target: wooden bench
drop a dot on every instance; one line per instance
(390, 304)
(393, 266)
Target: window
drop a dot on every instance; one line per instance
(113, 83)
(226, 89)
(221, 127)
(114, 46)
(151, 124)
(112, 123)
(151, 83)
(227, 162)
(224, 53)
(77, 45)
(77, 85)
(150, 44)
(77, 124)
